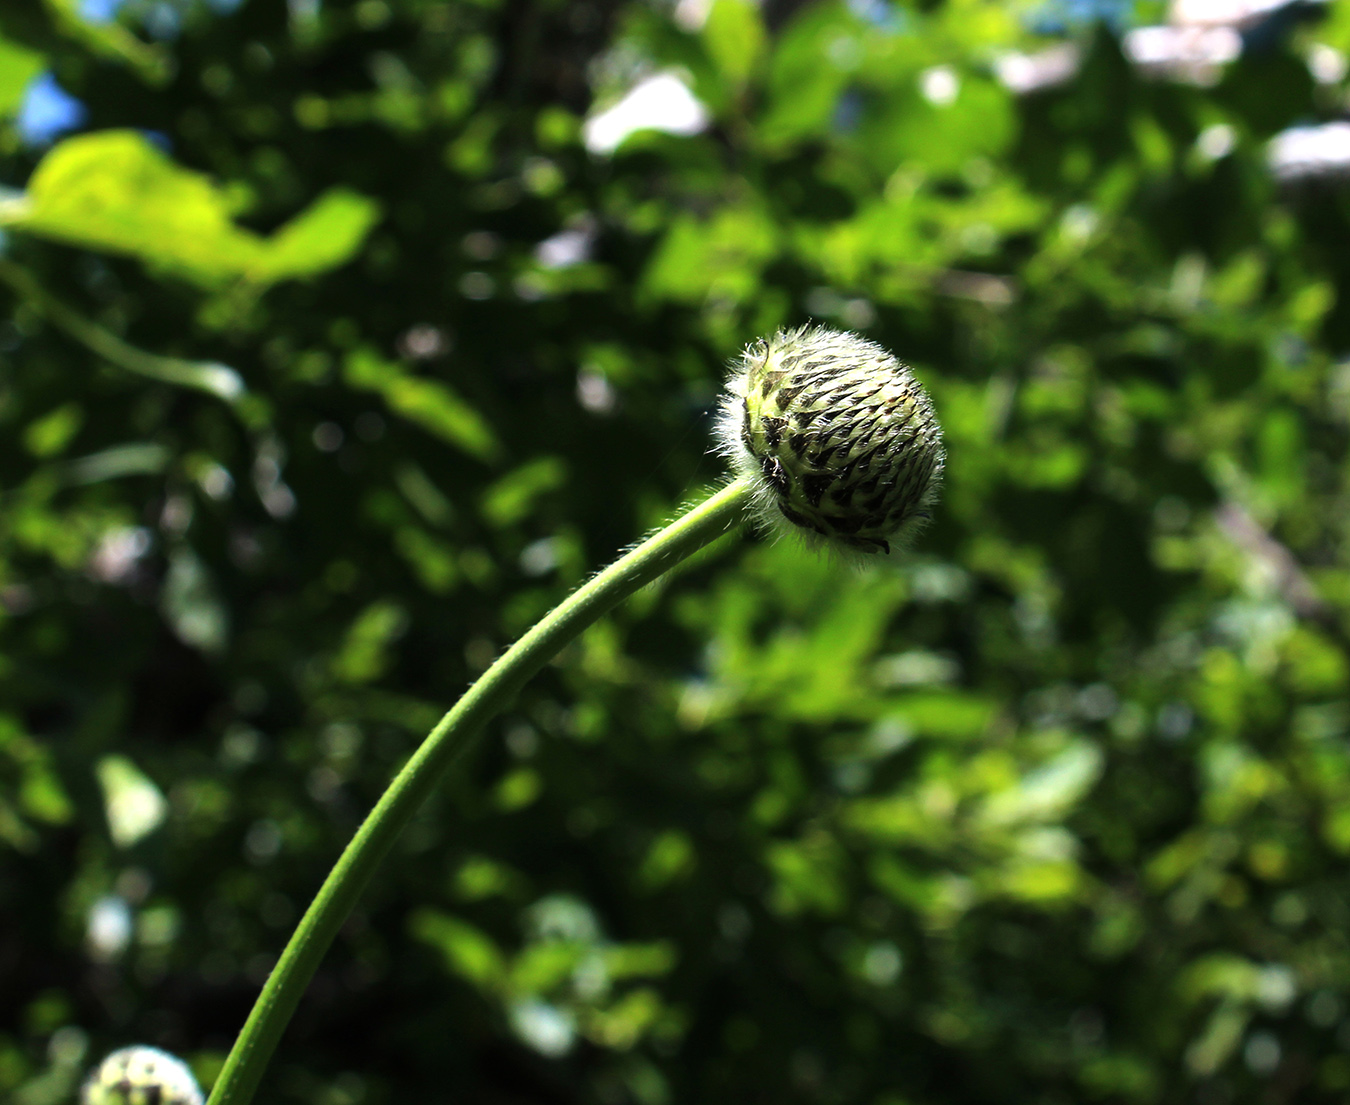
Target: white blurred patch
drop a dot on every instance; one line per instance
(543, 1027)
(1326, 64)
(562, 917)
(191, 605)
(845, 52)
(216, 481)
(1216, 141)
(982, 287)
(1079, 222)
(855, 313)
(263, 841)
(595, 393)
(1195, 54)
(568, 247)
(1262, 1053)
(882, 962)
(662, 102)
(277, 499)
(221, 379)
(1302, 152)
(1023, 73)
(118, 553)
(1098, 702)
(424, 342)
(539, 557)
(176, 516)
(939, 582)
(134, 805)
(690, 15)
(1276, 987)
(915, 669)
(107, 932)
(940, 85)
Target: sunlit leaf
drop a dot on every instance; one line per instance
(467, 950)
(116, 191)
(135, 807)
(429, 403)
(734, 34)
(18, 67)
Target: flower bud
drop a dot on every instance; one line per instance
(837, 437)
(141, 1076)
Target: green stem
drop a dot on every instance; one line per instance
(456, 731)
(208, 376)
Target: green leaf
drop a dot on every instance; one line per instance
(518, 789)
(18, 67)
(640, 960)
(512, 498)
(115, 191)
(808, 876)
(542, 967)
(1050, 791)
(50, 434)
(721, 256)
(111, 40)
(941, 136)
(734, 36)
(429, 403)
(138, 458)
(814, 58)
(670, 857)
(467, 950)
(322, 237)
(38, 789)
(364, 655)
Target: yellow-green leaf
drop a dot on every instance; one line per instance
(734, 36)
(513, 497)
(18, 67)
(429, 403)
(468, 951)
(115, 191)
(111, 40)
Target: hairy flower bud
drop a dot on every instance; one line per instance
(838, 438)
(141, 1076)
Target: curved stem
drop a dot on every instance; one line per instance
(216, 379)
(487, 697)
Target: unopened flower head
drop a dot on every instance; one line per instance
(141, 1076)
(838, 438)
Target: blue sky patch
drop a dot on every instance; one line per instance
(48, 111)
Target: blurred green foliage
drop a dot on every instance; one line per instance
(332, 358)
